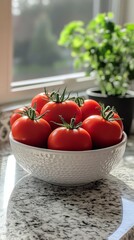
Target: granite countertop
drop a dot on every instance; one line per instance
(32, 209)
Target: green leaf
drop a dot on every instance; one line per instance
(130, 26)
(69, 29)
(77, 41)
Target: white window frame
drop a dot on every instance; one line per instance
(10, 91)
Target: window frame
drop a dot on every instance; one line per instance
(11, 92)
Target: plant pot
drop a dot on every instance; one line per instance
(123, 105)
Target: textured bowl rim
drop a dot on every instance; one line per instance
(124, 140)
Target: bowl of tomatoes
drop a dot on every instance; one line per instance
(68, 167)
(67, 141)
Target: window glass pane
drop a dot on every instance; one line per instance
(36, 28)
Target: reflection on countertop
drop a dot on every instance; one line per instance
(32, 209)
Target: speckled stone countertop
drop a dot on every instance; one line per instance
(32, 209)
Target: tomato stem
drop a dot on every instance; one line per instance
(79, 101)
(30, 112)
(46, 93)
(70, 125)
(55, 96)
(108, 113)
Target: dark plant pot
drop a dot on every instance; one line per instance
(123, 105)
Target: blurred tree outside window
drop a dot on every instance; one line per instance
(36, 28)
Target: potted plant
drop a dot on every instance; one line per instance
(107, 49)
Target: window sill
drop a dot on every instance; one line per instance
(24, 91)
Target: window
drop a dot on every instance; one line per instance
(36, 27)
(28, 28)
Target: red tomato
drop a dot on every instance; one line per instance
(17, 114)
(39, 101)
(69, 139)
(104, 133)
(31, 132)
(66, 109)
(90, 107)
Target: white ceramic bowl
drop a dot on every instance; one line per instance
(68, 167)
